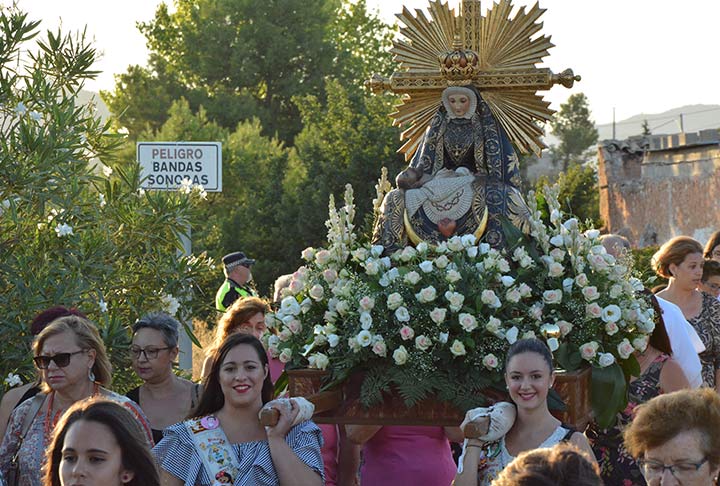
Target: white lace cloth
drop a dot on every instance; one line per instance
(448, 195)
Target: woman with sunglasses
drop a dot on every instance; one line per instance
(164, 397)
(74, 366)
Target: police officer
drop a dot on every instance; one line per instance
(236, 267)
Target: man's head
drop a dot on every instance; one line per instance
(615, 244)
(237, 267)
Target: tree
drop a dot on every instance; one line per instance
(576, 131)
(73, 231)
(579, 193)
(646, 128)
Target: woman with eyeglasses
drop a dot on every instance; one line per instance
(675, 440)
(164, 397)
(74, 366)
(712, 247)
(710, 283)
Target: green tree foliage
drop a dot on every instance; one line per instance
(579, 193)
(575, 129)
(72, 231)
(646, 128)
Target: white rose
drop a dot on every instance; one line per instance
(422, 247)
(422, 342)
(354, 345)
(554, 216)
(536, 312)
(380, 348)
(581, 280)
(361, 254)
(290, 306)
(333, 340)
(408, 253)
(640, 343)
(330, 275)
(552, 296)
(488, 297)
(592, 234)
(467, 321)
(426, 295)
(394, 301)
(526, 262)
(294, 326)
(525, 290)
(438, 315)
(322, 257)
(593, 310)
(453, 276)
(376, 250)
(457, 348)
(611, 313)
(553, 344)
(367, 303)
(319, 361)
(400, 355)
(308, 254)
(455, 244)
(426, 266)
(605, 359)
(493, 325)
(412, 277)
(565, 327)
(555, 269)
(472, 252)
(455, 299)
(317, 292)
(342, 307)
(571, 224)
(443, 337)
(490, 361)
(512, 334)
(402, 314)
(557, 240)
(589, 350)
(557, 254)
(590, 293)
(567, 285)
(468, 240)
(364, 338)
(372, 267)
(285, 355)
(442, 261)
(529, 335)
(366, 320)
(503, 265)
(507, 280)
(625, 349)
(611, 328)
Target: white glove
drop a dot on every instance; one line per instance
(502, 417)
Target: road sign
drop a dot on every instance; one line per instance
(165, 165)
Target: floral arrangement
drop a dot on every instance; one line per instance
(439, 319)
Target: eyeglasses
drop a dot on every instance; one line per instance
(150, 353)
(712, 285)
(680, 471)
(60, 359)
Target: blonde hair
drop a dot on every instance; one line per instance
(237, 314)
(673, 252)
(86, 337)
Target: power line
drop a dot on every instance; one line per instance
(664, 118)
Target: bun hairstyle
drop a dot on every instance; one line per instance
(532, 345)
(673, 252)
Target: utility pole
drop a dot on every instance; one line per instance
(613, 123)
(682, 125)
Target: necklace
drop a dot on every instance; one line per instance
(51, 419)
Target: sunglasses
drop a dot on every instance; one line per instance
(60, 359)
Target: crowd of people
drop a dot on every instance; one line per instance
(69, 428)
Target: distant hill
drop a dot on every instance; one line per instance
(694, 119)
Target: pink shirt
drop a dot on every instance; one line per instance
(417, 456)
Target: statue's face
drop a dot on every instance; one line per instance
(459, 104)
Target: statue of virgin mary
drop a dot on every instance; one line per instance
(463, 179)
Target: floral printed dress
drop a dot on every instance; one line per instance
(707, 325)
(617, 467)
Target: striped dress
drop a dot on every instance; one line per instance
(176, 454)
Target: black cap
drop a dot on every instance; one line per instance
(232, 260)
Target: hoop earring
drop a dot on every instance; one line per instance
(91, 375)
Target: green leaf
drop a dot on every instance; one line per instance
(608, 393)
(630, 367)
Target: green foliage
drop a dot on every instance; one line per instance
(642, 258)
(646, 128)
(579, 194)
(576, 131)
(608, 393)
(73, 232)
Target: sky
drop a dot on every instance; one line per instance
(634, 56)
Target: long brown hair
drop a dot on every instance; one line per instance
(128, 433)
(212, 398)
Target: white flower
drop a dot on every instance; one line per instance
(407, 332)
(457, 348)
(565, 327)
(12, 380)
(284, 335)
(557, 254)
(553, 344)
(640, 343)
(490, 361)
(322, 257)
(493, 325)
(605, 360)
(455, 299)
(552, 296)
(308, 254)
(289, 305)
(526, 262)
(525, 290)
(529, 335)
(590, 293)
(472, 252)
(63, 230)
(581, 280)
(364, 338)
(438, 315)
(103, 203)
(296, 285)
(402, 314)
(412, 277)
(536, 311)
(376, 250)
(571, 224)
(423, 342)
(426, 295)
(488, 297)
(557, 240)
(330, 275)
(317, 292)
(636, 284)
(588, 350)
(567, 285)
(625, 349)
(555, 269)
(400, 355)
(484, 248)
(593, 310)
(592, 234)
(513, 295)
(426, 266)
(354, 345)
(503, 265)
(185, 183)
(319, 361)
(366, 320)
(342, 307)
(453, 276)
(467, 321)
(295, 326)
(380, 348)
(408, 253)
(597, 262)
(468, 240)
(367, 303)
(394, 301)
(512, 334)
(361, 254)
(372, 267)
(20, 108)
(442, 261)
(455, 244)
(285, 355)
(554, 216)
(611, 313)
(103, 306)
(422, 247)
(333, 340)
(611, 328)
(443, 337)
(507, 280)
(170, 304)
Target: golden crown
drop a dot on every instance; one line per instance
(459, 65)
